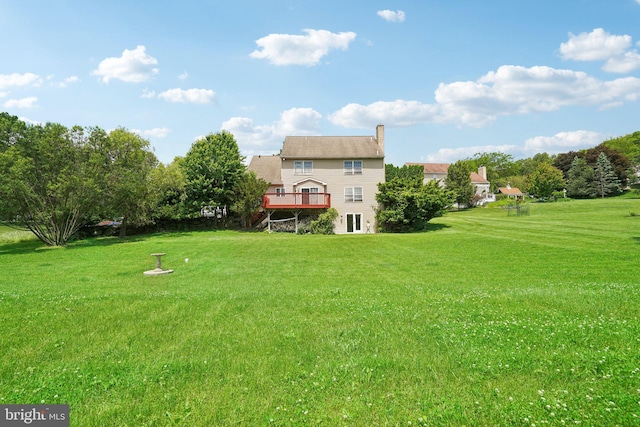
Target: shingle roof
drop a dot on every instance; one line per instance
(331, 147)
(432, 167)
(443, 168)
(510, 191)
(267, 168)
(476, 178)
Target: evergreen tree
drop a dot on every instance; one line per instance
(606, 180)
(580, 180)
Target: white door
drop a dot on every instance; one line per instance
(354, 223)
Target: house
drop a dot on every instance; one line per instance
(511, 192)
(314, 173)
(439, 171)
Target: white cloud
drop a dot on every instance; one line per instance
(509, 90)
(3, 94)
(395, 113)
(192, 96)
(391, 16)
(598, 45)
(66, 82)
(146, 93)
(134, 66)
(563, 142)
(183, 76)
(29, 102)
(299, 121)
(30, 122)
(286, 49)
(8, 81)
(155, 132)
(451, 155)
(519, 90)
(625, 63)
(268, 138)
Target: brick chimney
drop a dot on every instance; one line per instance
(380, 137)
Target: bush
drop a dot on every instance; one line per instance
(325, 222)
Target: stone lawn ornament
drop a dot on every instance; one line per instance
(158, 270)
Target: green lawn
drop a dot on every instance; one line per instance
(486, 319)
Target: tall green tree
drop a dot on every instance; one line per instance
(620, 164)
(545, 180)
(413, 173)
(629, 145)
(459, 181)
(606, 180)
(47, 181)
(529, 165)
(563, 161)
(212, 167)
(169, 183)
(128, 171)
(581, 179)
(249, 190)
(11, 130)
(500, 166)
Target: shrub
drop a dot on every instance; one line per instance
(325, 222)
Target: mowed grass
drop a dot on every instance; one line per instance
(486, 319)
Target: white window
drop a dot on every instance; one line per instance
(353, 194)
(280, 191)
(302, 167)
(353, 167)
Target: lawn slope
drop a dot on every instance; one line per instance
(486, 319)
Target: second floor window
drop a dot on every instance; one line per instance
(280, 192)
(353, 194)
(303, 167)
(353, 167)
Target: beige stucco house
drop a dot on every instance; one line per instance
(314, 173)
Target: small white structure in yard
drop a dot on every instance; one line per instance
(158, 270)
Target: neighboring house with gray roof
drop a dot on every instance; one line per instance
(314, 173)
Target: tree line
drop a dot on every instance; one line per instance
(54, 180)
(601, 171)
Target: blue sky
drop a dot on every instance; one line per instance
(448, 79)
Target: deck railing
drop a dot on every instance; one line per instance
(296, 201)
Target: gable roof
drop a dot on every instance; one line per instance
(476, 178)
(267, 168)
(443, 168)
(510, 191)
(331, 147)
(432, 167)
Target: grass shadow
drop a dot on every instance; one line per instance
(19, 248)
(436, 227)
